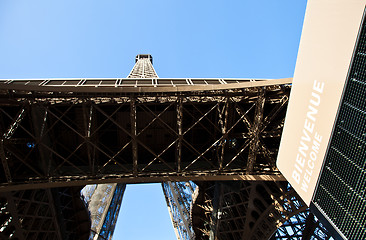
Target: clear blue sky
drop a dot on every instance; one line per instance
(89, 38)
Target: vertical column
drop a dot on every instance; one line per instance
(4, 161)
(255, 130)
(88, 118)
(223, 115)
(180, 136)
(216, 209)
(133, 134)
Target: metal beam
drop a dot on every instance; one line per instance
(180, 134)
(216, 205)
(223, 118)
(88, 118)
(4, 161)
(274, 112)
(177, 199)
(6, 136)
(166, 86)
(255, 130)
(133, 117)
(9, 133)
(129, 179)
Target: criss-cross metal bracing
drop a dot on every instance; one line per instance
(89, 135)
(302, 226)
(43, 214)
(238, 210)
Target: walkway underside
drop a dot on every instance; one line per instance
(52, 139)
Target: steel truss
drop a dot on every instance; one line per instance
(252, 210)
(143, 67)
(69, 132)
(242, 210)
(43, 214)
(179, 198)
(103, 202)
(62, 139)
(303, 226)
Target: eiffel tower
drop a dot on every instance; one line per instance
(212, 142)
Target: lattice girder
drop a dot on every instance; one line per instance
(61, 139)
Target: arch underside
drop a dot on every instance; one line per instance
(252, 210)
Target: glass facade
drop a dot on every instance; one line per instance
(340, 195)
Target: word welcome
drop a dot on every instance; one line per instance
(309, 142)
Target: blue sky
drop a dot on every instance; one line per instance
(89, 38)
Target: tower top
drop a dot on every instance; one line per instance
(141, 56)
(143, 67)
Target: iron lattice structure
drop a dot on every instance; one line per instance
(143, 67)
(71, 132)
(179, 198)
(301, 227)
(141, 130)
(103, 202)
(238, 210)
(252, 210)
(43, 214)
